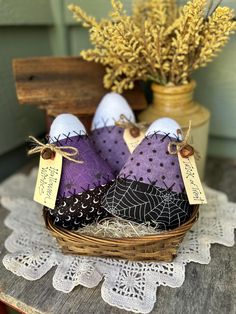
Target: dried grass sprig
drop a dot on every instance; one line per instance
(81, 16)
(215, 35)
(118, 228)
(186, 39)
(159, 41)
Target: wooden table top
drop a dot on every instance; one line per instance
(207, 288)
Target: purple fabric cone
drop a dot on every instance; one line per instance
(110, 145)
(149, 188)
(77, 178)
(82, 186)
(151, 163)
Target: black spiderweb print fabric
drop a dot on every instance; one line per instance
(143, 203)
(79, 210)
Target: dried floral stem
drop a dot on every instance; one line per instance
(159, 41)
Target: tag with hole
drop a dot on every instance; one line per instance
(133, 139)
(48, 180)
(192, 182)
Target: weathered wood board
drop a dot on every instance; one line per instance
(67, 84)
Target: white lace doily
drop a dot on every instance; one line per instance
(127, 285)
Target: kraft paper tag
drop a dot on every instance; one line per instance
(48, 180)
(192, 182)
(132, 142)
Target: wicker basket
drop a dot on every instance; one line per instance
(160, 247)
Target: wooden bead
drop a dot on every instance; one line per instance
(47, 153)
(187, 151)
(135, 132)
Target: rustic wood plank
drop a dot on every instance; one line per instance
(207, 288)
(65, 85)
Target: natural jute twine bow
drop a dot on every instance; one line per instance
(48, 151)
(182, 147)
(126, 123)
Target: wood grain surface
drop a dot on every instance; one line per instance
(65, 85)
(207, 288)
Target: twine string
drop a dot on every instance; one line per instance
(175, 147)
(67, 152)
(125, 123)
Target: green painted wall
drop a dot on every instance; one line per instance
(24, 31)
(45, 27)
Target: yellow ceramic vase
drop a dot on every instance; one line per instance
(177, 103)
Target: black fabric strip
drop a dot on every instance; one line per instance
(79, 210)
(146, 203)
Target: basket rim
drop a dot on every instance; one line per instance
(72, 236)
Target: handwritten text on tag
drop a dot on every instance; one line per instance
(48, 180)
(191, 180)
